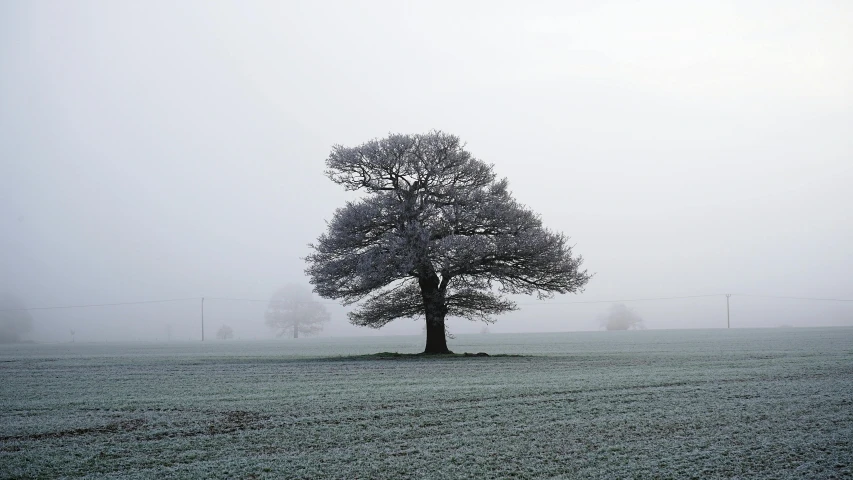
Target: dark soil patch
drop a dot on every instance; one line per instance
(116, 427)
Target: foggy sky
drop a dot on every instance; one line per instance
(151, 150)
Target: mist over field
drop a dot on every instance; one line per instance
(158, 151)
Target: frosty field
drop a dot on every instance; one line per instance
(772, 403)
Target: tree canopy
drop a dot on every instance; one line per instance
(436, 234)
(15, 320)
(620, 317)
(225, 333)
(292, 310)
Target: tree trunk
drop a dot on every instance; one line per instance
(436, 341)
(433, 297)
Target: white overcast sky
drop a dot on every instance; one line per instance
(153, 150)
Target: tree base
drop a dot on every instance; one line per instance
(439, 352)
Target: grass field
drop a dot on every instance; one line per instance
(774, 403)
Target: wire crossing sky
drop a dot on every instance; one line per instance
(543, 303)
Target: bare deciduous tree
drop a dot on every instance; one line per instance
(225, 333)
(292, 309)
(437, 234)
(15, 320)
(620, 317)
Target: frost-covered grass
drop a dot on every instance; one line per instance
(646, 404)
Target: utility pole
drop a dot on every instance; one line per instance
(728, 315)
(202, 319)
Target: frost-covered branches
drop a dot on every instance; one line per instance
(406, 301)
(437, 234)
(434, 163)
(293, 310)
(477, 305)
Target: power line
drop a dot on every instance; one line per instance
(237, 299)
(541, 303)
(794, 298)
(145, 302)
(622, 301)
(255, 300)
(101, 304)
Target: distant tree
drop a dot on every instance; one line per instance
(293, 310)
(437, 234)
(15, 320)
(620, 317)
(224, 333)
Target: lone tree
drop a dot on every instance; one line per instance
(15, 320)
(225, 333)
(437, 234)
(292, 309)
(620, 317)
